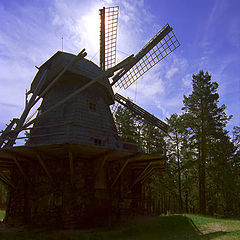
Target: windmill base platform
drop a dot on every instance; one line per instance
(74, 185)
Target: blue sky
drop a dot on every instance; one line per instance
(208, 30)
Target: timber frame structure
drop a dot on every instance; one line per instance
(74, 170)
(74, 185)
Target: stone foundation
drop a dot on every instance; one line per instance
(41, 202)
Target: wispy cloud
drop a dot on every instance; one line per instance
(30, 33)
(171, 72)
(234, 32)
(187, 82)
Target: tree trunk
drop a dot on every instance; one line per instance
(186, 202)
(201, 169)
(1, 199)
(179, 177)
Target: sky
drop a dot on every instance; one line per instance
(208, 30)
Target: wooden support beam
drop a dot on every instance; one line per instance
(43, 165)
(6, 181)
(140, 175)
(101, 160)
(105, 154)
(99, 165)
(133, 157)
(70, 156)
(130, 158)
(149, 173)
(20, 169)
(151, 160)
(120, 172)
(5, 175)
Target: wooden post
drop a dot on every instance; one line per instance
(100, 166)
(158, 210)
(20, 169)
(70, 155)
(44, 167)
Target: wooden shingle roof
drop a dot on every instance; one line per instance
(83, 67)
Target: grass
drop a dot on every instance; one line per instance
(215, 228)
(2, 214)
(163, 227)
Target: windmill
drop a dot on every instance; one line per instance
(73, 157)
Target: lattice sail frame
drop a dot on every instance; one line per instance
(114, 108)
(108, 36)
(167, 45)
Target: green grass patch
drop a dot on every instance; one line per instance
(165, 227)
(216, 228)
(175, 227)
(2, 213)
(201, 220)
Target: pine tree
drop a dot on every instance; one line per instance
(205, 121)
(175, 140)
(126, 124)
(152, 140)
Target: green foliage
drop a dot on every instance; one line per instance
(134, 129)
(3, 195)
(203, 164)
(205, 122)
(2, 214)
(203, 167)
(236, 135)
(126, 125)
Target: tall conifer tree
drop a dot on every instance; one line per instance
(205, 121)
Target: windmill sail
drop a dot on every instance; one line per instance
(108, 36)
(141, 112)
(161, 45)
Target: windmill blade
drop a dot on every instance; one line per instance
(5, 133)
(160, 46)
(36, 96)
(108, 36)
(114, 108)
(141, 112)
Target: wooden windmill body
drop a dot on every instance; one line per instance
(74, 169)
(84, 119)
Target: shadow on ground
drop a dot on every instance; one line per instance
(176, 227)
(214, 235)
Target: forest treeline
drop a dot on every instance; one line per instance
(202, 173)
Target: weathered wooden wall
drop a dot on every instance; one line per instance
(74, 121)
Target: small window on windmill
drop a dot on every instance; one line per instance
(98, 141)
(92, 106)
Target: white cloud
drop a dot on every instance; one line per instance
(162, 108)
(34, 35)
(187, 80)
(172, 71)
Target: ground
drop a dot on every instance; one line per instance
(215, 228)
(140, 228)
